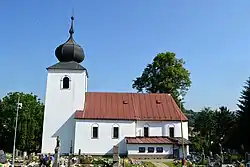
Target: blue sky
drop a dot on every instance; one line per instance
(121, 37)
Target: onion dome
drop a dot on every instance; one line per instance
(70, 50)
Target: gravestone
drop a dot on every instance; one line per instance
(25, 155)
(211, 154)
(248, 164)
(57, 152)
(221, 154)
(79, 156)
(3, 159)
(247, 156)
(16, 153)
(116, 158)
(218, 161)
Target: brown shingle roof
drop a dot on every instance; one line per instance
(156, 140)
(149, 140)
(130, 106)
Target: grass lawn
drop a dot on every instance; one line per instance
(148, 164)
(171, 164)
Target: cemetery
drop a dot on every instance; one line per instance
(22, 159)
(82, 160)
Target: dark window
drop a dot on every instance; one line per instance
(151, 149)
(142, 149)
(95, 132)
(145, 131)
(159, 149)
(66, 83)
(115, 132)
(171, 132)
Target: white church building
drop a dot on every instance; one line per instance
(141, 124)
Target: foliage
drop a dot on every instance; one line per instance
(190, 114)
(238, 138)
(179, 164)
(148, 164)
(244, 117)
(222, 126)
(172, 164)
(166, 74)
(211, 127)
(30, 122)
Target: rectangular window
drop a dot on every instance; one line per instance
(151, 149)
(115, 132)
(145, 131)
(95, 132)
(171, 132)
(142, 149)
(159, 149)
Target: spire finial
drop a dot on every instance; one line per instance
(71, 30)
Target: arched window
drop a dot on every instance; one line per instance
(94, 131)
(115, 131)
(146, 130)
(171, 130)
(65, 82)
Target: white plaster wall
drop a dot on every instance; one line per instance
(133, 149)
(104, 144)
(60, 106)
(158, 128)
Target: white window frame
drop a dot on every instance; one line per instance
(61, 83)
(92, 134)
(112, 131)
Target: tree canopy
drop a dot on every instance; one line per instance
(166, 74)
(212, 127)
(244, 117)
(30, 122)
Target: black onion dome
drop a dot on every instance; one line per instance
(70, 50)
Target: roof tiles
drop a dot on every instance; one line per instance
(130, 106)
(155, 140)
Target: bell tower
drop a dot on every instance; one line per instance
(65, 93)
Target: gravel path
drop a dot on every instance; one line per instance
(159, 164)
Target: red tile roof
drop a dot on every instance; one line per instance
(149, 140)
(156, 140)
(130, 106)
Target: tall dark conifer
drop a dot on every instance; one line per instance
(244, 117)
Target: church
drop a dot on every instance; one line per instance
(141, 124)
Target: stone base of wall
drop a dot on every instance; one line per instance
(168, 156)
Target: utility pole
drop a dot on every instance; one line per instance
(19, 106)
(182, 139)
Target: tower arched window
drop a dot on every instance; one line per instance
(65, 82)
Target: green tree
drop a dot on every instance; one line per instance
(190, 114)
(30, 122)
(213, 127)
(243, 121)
(224, 121)
(204, 126)
(166, 74)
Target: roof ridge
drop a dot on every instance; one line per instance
(131, 93)
(149, 137)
